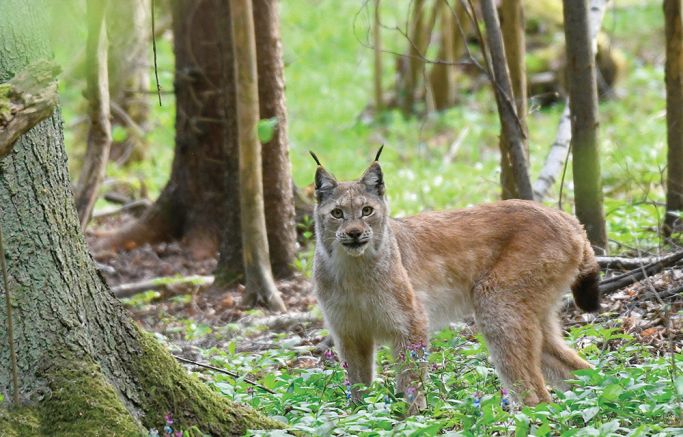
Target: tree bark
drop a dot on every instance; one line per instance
(99, 133)
(442, 76)
(260, 286)
(277, 178)
(512, 27)
(129, 30)
(554, 162)
(674, 114)
(84, 366)
(513, 136)
(583, 103)
(194, 205)
(419, 35)
(377, 41)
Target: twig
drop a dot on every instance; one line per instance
(154, 51)
(131, 289)
(10, 325)
(135, 207)
(225, 372)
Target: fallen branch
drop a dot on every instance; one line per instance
(614, 283)
(136, 208)
(280, 322)
(26, 100)
(164, 283)
(625, 263)
(223, 371)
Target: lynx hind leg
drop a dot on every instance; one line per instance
(559, 360)
(515, 341)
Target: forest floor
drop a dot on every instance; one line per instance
(639, 325)
(635, 309)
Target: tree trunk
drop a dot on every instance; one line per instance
(554, 162)
(277, 178)
(442, 76)
(513, 135)
(583, 103)
(419, 35)
(260, 286)
(129, 30)
(674, 114)
(377, 41)
(99, 133)
(194, 206)
(512, 26)
(84, 366)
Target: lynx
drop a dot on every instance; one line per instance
(384, 280)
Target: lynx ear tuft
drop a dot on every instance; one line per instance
(315, 158)
(373, 179)
(379, 152)
(325, 183)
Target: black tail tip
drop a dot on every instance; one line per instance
(586, 291)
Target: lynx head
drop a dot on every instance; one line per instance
(350, 216)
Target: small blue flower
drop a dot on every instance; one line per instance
(153, 432)
(476, 399)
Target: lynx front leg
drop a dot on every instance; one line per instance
(359, 354)
(410, 354)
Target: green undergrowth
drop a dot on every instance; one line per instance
(633, 390)
(189, 401)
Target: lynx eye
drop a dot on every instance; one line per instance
(337, 213)
(367, 210)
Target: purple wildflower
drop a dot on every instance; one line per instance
(169, 419)
(345, 365)
(411, 392)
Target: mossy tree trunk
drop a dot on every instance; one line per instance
(583, 104)
(674, 114)
(84, 366)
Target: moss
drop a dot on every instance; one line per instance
(5, 94)
(82, 402)
(19, 422)
(170, 389)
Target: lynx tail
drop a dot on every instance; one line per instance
(586, 287)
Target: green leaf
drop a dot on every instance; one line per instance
(266, 129)
(589, 413)
(119, 134)
(612, 392)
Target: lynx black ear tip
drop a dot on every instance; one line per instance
(379, 152)
(315, 157)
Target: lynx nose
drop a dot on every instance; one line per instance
(354, 233)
